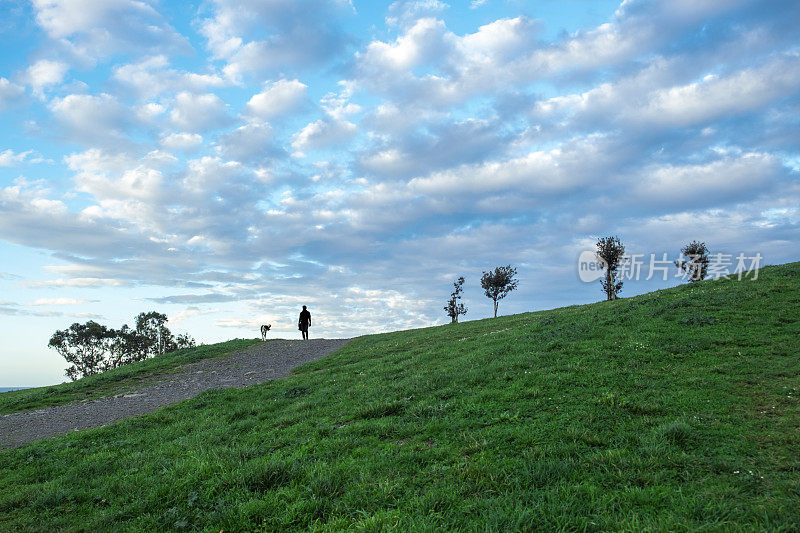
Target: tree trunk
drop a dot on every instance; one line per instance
(495, 308)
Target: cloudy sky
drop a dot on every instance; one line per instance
(227, 161)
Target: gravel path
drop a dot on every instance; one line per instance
(257, 364)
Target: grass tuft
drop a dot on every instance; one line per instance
(677, 433)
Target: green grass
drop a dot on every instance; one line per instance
(676, 410)
(117, 380)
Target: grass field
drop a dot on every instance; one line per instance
(675, 410)
(124, 378)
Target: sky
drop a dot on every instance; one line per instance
(225, 161)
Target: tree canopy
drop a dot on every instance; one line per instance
(498, 283)
(92, 348)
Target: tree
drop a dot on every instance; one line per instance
(498, 283)
(453, 308)
(158, 338)
(84, 346)
(183, 340)
(152, 326)
(610, 253)
(696, 264)
(127, 346)
(92, 348)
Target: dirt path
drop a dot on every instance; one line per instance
(257, 364)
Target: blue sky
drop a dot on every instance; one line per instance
(226, 162)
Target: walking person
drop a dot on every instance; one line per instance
(304, 322)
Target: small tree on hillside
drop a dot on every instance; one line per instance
(183, 340)
(453, 307)
(498, 283)
(696, 263)
(84, 346)
(610, 253)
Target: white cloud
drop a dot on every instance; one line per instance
(406, 12)
(67, 17)
(45, 73)
(97, 161)
(30, 218)
(324, 133)
(150, 112)
(190, 312)
(158, 158)
(732, 178)
(152, 77)
(275, 35)
(424, 42)
(181, 141)
(95, 118)
(433, 145)
(198, 112)
(9, 92)
(431, 66)
(10, 159)
(719, 96)
(126, 189)
(91, 29)
(58, 301)
(498, 41)
(206, 173)
(140, 183)
(79, 283)
(253, 142)
(650, 98)
(278, 98)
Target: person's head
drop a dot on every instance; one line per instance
(304, 308)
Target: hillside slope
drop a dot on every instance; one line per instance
(673, 410)
(117, 380)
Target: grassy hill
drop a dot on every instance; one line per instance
(116, 380)
(673, 410)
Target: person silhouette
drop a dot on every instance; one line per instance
(304, 322)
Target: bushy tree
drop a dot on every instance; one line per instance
(183, 340)
(498, 283)
(696, 261)
(610, 254)
(152, 326)
(127, 346)
(84, 346)
(92, 348)
(453, 307)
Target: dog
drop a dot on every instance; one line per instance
(264, 329)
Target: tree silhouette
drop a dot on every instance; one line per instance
(92, 348)
(610, 253)
(152, 326)
(696, 264)
(498, 283)
(453, 308)
(84, 346)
